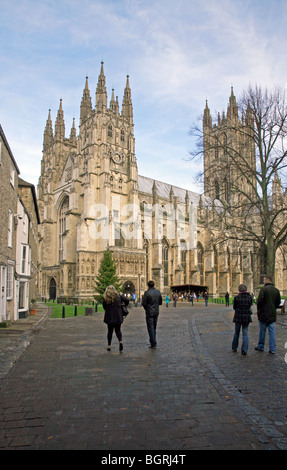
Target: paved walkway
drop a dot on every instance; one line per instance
(61, 389)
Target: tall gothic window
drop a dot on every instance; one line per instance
(217, 190)
(226, 190)
(183, 251)
(119, 239)
(200, 261)
(62, 228)
(145, 245)
(165, 262)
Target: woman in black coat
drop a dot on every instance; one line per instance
(112, 304)
(242, 317)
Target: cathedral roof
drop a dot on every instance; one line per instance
(163, 190)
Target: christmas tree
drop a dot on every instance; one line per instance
(107, 276)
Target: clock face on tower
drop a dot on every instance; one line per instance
(117, 158)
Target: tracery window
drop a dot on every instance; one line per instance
(217, 190)
(183, 251)
(165, 262)
(200, 262)
(62, 228)
(145, 245)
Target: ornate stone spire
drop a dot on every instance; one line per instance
(114, 104)
(127, 107)
(101, 92)
(232, 110)
(154, 193)
(60, 124)
(207, 120)
(86, 103)
(73, 134)
(48, 132)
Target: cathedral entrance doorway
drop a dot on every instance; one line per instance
(52, 289)
(129, 288)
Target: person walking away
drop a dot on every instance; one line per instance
(167, 300)
(242, 317)
(268, 301)
(152, 299)
(112, 304)
(227, 299)
(174, 299)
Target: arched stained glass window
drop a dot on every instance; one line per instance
(165, 262)
(63, 228)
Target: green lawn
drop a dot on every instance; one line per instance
(57, 309)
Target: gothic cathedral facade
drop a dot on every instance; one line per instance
(91, 198)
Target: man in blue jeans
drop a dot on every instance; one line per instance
(242, 317)
(268, 301)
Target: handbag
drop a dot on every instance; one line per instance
(124, 309)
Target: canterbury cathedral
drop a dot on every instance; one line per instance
(91, 198)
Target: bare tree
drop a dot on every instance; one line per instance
(244, 159)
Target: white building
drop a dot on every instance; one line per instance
(23, 262)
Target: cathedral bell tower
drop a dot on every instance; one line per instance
(221, 140)
(88, 194)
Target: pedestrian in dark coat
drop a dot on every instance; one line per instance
(112, 302)
(268, 301)
(227, 299)
(242, 317)
(152, 299)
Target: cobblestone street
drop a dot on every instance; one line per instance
(65, 391)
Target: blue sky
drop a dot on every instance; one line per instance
(178, 53)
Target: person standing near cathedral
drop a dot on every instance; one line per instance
(227, 299)
(152, 299)
(167, 300)
(112, 304)
(268, 301)
(242, 317)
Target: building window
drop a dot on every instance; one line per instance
(10, 226)
(120, 184)
(145, 245)
(10, 281)
(110, 130)
(122, 135)
(62, 228)
(24, 259)
(200, 255)
(119, 239)
(165, 262)
(217, 190)
(183, 251)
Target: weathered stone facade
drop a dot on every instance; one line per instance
(9, 172)
(28, 196)
(91, 198)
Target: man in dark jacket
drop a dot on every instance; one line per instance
(268, 301)
(151, 301)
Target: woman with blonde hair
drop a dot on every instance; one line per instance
(112, 304)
